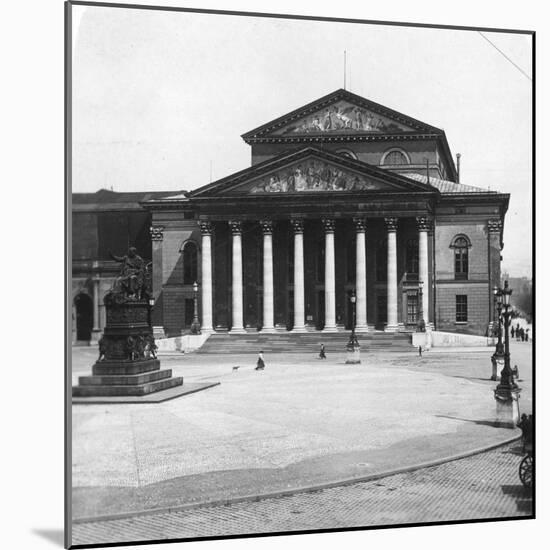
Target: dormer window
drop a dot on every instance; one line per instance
(395, 157)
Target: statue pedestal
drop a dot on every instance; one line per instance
(353, 354)
(507, 413)
(127, 365)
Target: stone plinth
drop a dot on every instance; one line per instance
(127, 363)
(507, 413)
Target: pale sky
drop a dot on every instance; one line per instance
(159, 96)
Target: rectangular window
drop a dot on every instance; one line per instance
(461, 308)
(461, 263)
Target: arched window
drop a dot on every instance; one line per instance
(382, 261)
(412, 256)
(190, 263)
(460, 245)
(347, 153)
(395, 157)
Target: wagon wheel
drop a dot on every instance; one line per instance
(526, 471)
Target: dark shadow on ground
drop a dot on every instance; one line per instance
(491, 423)
(53, 535)
(522, 496)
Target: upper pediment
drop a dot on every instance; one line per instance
(343, 117)
(340, 113)
(310, 171)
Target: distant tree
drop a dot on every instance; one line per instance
(524, 300)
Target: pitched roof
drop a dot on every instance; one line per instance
(393, 180)
(113, 200)
(416, 125)
(446, 186)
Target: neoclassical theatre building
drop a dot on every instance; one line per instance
(343, 196)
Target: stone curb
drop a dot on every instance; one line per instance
(296, 490)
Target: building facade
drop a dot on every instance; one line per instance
(343, 197)
(103, 222)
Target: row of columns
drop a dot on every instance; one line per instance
(299, 283)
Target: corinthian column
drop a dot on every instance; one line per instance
(237, 278)
(268, 316)
(423, 272)
(391, 224)
(299, 287)
(361, 275)
(330, 277)
(206, 276)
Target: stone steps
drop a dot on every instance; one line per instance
(125, 379)
(301, 342)
(125, 367)
(125, 389)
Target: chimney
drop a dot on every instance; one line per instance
(458, 168)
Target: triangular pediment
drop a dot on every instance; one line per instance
(343, 117)
(340, 113)
(310, 171)
(312, 175)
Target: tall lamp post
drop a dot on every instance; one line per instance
(420, 324)
(353, 350)
(507, 391)
(195, 325)
(151, 305)
(497, 359)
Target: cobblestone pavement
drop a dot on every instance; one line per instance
(485, 485)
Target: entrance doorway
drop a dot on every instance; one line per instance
(412, 308)
(189, 311)
(84, 317)
(381, 311)
(320, 310)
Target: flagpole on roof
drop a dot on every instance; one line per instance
(344, 69)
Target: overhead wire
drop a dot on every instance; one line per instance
(505, 56)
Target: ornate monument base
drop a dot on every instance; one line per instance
(507, 414)
(127, 363)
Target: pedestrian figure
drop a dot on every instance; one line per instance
(517, 332)
(513, 332)
(522, 334)
(102, 348)
(260, 365)
(420, 351)
(322, 354)
(527, 335)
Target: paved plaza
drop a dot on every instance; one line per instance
(482, 486)
(300, 424)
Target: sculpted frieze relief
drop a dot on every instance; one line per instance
(342, 117)
(313, 175)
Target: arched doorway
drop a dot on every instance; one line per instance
(84, 317)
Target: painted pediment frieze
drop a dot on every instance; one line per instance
(342, 117)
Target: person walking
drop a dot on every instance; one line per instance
(527, 335)
(513, 332)
(322, 354)
(517, 332)
(522, 334)
(260, 365)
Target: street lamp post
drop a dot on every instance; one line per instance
(497, 359)
(195, 325)
(151, 305)
(507, 391)
(420, 324)
(353, 349)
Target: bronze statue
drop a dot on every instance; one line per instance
(131, 279)
(131, 348)
(151, 346)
